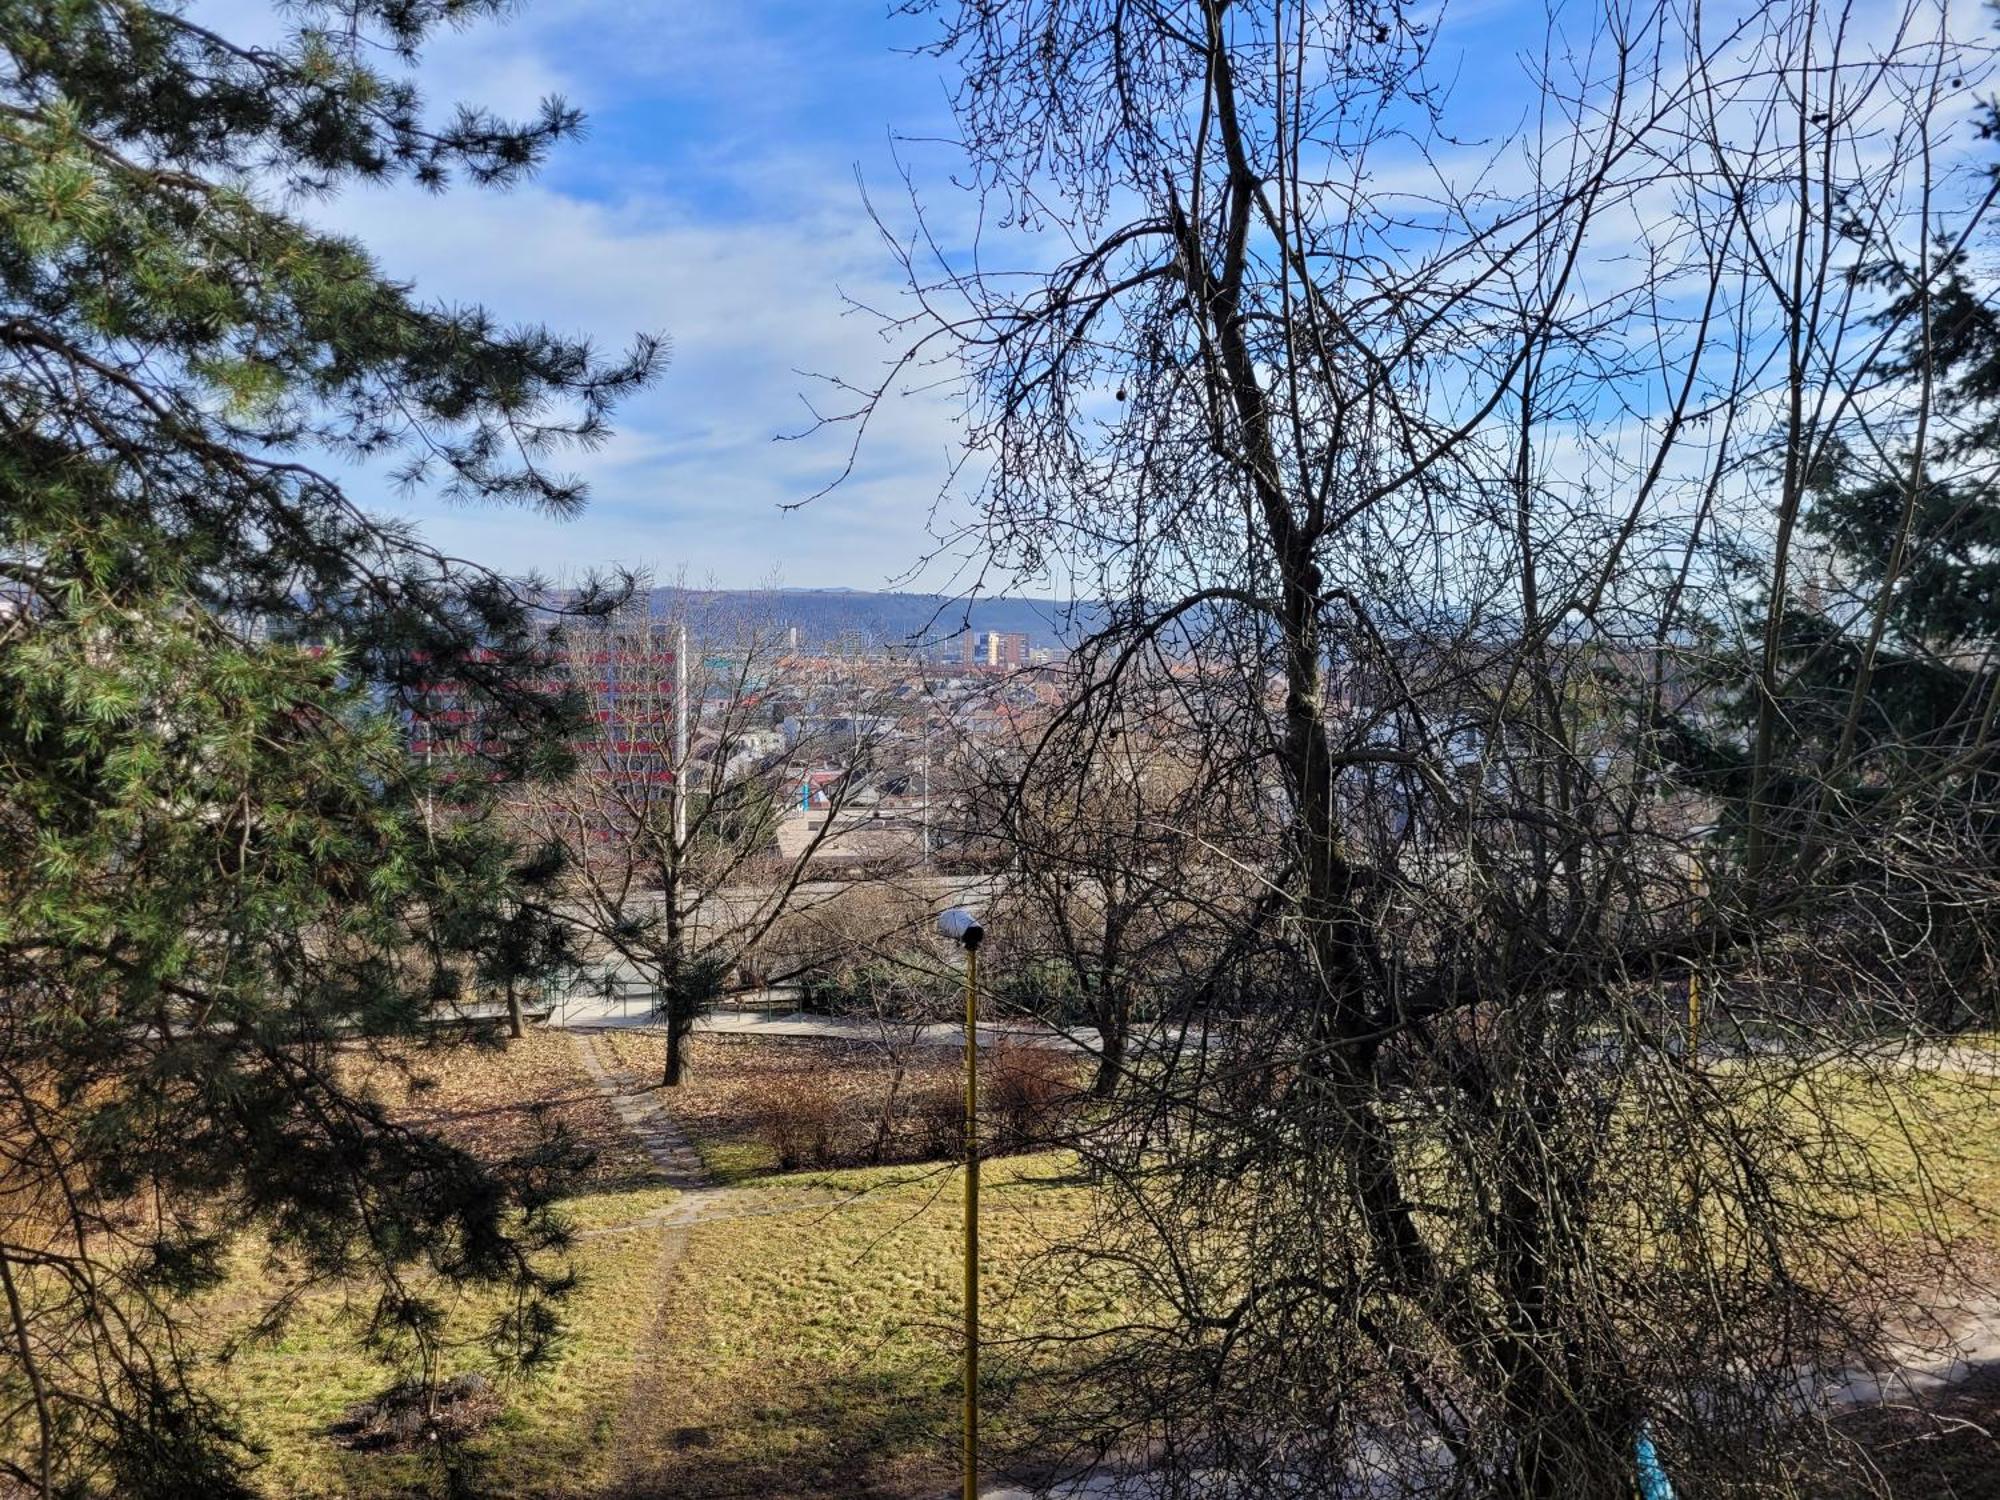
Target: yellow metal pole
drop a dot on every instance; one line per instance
(1694, 1018)
(1691, 1228)
(972, 1222)
(1694, 978)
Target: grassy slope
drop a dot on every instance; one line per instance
(813, 1336)
(806, 1341)
(810, 1336)
(811, 1341)
(554, 1437)
(816, 1345)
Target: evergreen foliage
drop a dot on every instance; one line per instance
(1886, 774)
(218, 866)
(1896, 647)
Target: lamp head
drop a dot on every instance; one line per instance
(960, 926)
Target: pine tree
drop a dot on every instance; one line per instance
(1885, 780)
(1896, 662)
(218, 864)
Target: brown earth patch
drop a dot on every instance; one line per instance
(496, 1098)
(740, 1099)
(1945, 1447)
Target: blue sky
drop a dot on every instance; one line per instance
(714, 198)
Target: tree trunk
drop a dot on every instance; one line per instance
(680, 1021)
(515, 1027)
(677, 1029)
(1112, 1025)
(674, 999)
(1342, 1062)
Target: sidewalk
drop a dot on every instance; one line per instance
(592, 1013)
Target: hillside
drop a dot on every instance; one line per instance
(834, 618)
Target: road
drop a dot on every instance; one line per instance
(738, 904)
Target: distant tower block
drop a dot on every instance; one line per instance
(792, 640)
(1006, 648)
(995, 648)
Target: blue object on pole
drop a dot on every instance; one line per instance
(1653, 1481)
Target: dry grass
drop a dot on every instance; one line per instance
(809, 1334)
(808, 1331)
(815, 1345)
(484, 1095)
(731, 1086)
(741, 1099)
(554, 1436)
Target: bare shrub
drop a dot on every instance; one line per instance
(801, 1123)
(1028, 1092)
(935, 1108)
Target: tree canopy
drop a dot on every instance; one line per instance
(218, 863)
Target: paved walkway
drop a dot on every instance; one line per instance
(1957, 1341)
(589, 1014)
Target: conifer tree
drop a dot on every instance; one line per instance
(1896, 656)
(1886, 767)
(218, 863)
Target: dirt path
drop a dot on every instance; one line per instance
(647, 1417)
(649, 1438)
(638, 1108)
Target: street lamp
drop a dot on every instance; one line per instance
(960, 926)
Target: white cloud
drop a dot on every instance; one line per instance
(733, 230)
(695, 476)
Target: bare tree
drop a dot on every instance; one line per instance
(679, 857)
(1431, 461)
(1124, 869)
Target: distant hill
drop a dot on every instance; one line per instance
(829, 619)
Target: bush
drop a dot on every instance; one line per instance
(801, 1123)
(1027, 1093)
(935, 1110)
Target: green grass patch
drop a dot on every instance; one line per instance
(732, 1162)
(554, 1435)
(814, 1345)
